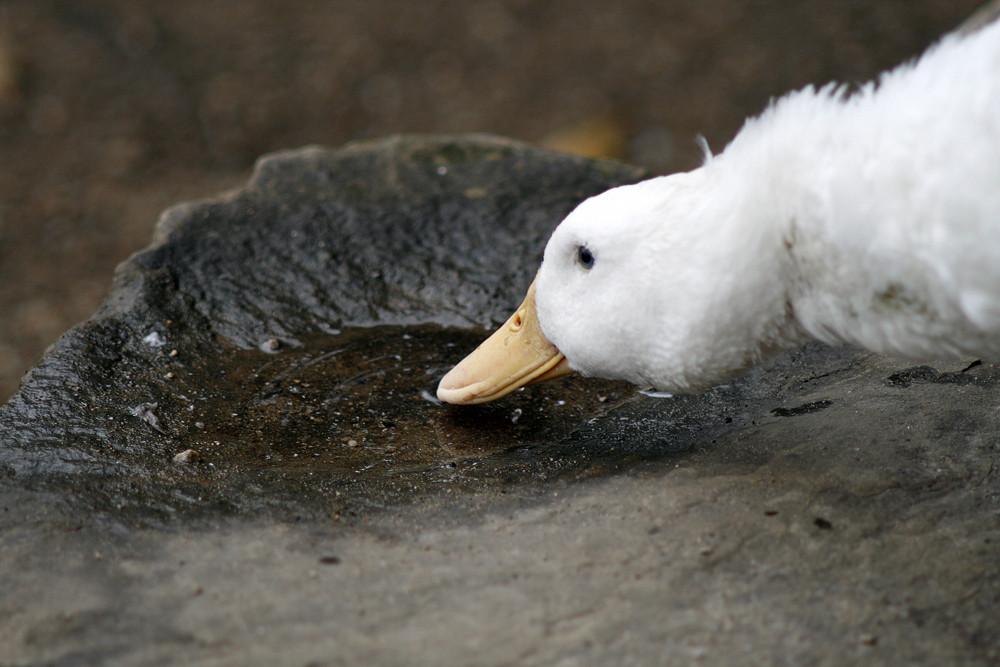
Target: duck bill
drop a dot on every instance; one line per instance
(516, 355)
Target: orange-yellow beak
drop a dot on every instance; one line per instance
(517, 354)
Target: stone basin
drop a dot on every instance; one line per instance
(239, 458)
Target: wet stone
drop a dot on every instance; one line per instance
(293, 333)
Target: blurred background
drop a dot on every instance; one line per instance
(111, 111)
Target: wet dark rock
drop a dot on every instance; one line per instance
(908, 376)
(803, 409)
(236, 333)
(255, 400)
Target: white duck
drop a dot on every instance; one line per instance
(870, 218)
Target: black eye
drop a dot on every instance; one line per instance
(584, 257)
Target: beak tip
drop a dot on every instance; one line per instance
(450, 391)
(445, 395)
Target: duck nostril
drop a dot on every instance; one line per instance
(516, 321)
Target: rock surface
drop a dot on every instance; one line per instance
(238, 459)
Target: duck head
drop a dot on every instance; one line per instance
(637, 284)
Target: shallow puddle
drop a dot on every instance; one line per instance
(364, 400)
(355, 413)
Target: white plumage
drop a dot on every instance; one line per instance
(869, 217)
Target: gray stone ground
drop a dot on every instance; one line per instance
(834, 508)
(865, 533)
(713, 560)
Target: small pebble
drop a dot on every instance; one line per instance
(187, 456)
(352, 443)
(270, 345)
(146, 414)
(154, 339)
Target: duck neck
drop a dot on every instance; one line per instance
(786, 201)
(757, 239)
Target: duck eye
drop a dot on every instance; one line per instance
(584, 257)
